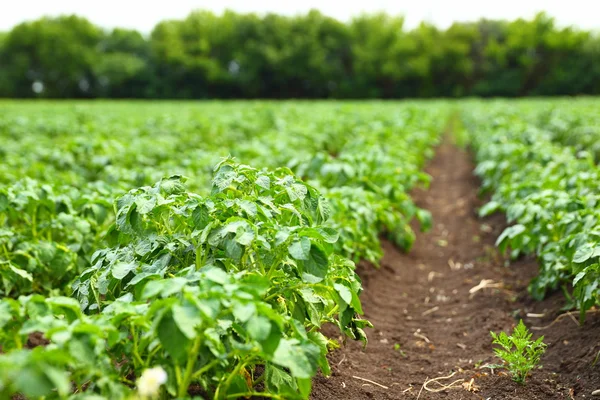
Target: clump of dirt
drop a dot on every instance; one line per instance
(434, 307)
(36, 339)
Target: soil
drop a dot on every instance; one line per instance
(432, 322)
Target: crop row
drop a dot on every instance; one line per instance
(222, 281)
(548, 190)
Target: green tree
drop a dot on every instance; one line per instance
(53, 55)
(236, 55)
(125, 68)
(376, 43)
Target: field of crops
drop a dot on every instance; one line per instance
(541, 165)
(209, 250)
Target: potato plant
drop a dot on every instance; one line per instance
(123, 278)
(226, 292)
(544, 188)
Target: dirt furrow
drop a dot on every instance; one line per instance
(428, 324)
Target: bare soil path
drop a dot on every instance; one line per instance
(432, 314)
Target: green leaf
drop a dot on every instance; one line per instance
(244, 311)
(324, 210)
(300, 249)
(424, 218)
(200, 216)
(59, 379)
(249, 207)
(34, 383)
(3, 202)
(187, 319)
(216, 275)
(300, 358)
(278, 379)
(145, 204)
(245, 239)
(296, 191)
(579, 277)
(510, 232)
(153, 288)
(304, 386)
(259, 328)
(489, 208)
(6, 313)
(583, 253)
(21, 272)
(237, 385)
(263, 182)
(233, 249)
(173, 184)
(315, 268)
(344, 292)
(71, 306)
(321, 341)
(330, 235)
(171, 337)
(121, 270)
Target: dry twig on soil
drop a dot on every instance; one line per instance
(421, 336)
(370, 381)
(431, 310)
(422, 386)
(484, 284)
(442, 387)
(470, 386)
(561, 316)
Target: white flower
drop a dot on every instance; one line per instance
(150, 381)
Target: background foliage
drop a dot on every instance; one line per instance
(306, 56)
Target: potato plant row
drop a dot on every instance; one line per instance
(547, 186)
(211, 241)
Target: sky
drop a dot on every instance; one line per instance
(143, 15)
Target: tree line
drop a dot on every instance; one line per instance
(237, 55)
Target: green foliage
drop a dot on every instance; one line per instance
(46, 233)
(113, 263)
(306, 56)
(58, 52)
(540, 177)
(209, 288)
(267, 224)
(518, 351)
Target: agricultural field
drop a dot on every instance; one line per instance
(295, 250)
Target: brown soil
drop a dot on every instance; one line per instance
(421, 302)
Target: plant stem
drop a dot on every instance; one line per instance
(136, 353)
(18, 342)
(202, 370)
(166, 225)
(259, 379)
(227, 382)
(6, 252)
(178, 374)
(189, 368)
(198, 260)
(333, 310)
(34, 223)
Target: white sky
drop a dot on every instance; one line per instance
(143, 15)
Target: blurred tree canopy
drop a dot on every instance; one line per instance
(307, 56)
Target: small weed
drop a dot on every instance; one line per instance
(398, 349)
(519, 353)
